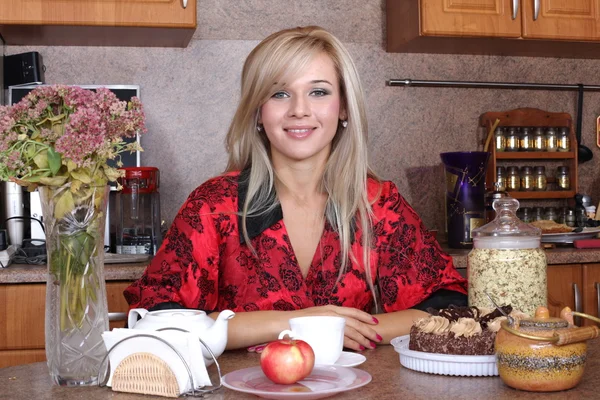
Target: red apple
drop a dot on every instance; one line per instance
(287, 361)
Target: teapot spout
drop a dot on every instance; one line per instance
(215, 337)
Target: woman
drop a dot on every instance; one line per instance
(299, 224)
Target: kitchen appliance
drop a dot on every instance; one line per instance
(137, 212)
(33, 229)
(465, 195)
(14, 211)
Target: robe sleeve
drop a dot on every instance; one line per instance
(185, 269)
(412, 265)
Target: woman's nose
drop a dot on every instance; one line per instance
(299, 107)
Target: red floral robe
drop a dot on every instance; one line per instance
(204, 263)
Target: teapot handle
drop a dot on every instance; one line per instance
(577, 335)
(132, 318)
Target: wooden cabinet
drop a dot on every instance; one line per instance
(576, 286)
(22, 312)
(561, 28)
(532, 118)
(98, 22)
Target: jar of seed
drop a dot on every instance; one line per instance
(512, 139)
(513, 178)
(501, 179)
(526, 140)
(527, 182)
(499, 139)
(563, 180)
(563, 139)
(539, 139)
(551, 139)
(507, 262)
(539, 178)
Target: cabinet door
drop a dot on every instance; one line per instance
(477, 18)
(591, 291)
(564, 287)
(562, 20)
(147, 13)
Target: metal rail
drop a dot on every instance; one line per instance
(490, 85)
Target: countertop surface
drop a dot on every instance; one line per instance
(22, 273)
(390, 381)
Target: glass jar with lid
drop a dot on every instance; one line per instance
(539, 139)
(538, 213)
(512, 139)
(499, 139)
(507, 262)
(527, 182)
(563, 180)
(540, 181)
(551, 139)
(526, 140)
(513, 178)
(550, 214)
(501, 179)
(563, 140)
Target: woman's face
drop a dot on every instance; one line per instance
(301, 119)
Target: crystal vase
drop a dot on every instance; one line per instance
(76, 308)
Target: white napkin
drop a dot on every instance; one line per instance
(186, 344)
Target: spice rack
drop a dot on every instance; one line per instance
(533, 117)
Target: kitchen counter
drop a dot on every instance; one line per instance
(21, 273)
(390, 381)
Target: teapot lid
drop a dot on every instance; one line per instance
(506, 231)
(543, 321)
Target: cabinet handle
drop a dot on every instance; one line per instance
(184, 3)
(536, 9)
(577, 293)
(515, 8)
(597, 285)
(117, 316)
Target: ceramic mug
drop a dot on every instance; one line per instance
(324, 334)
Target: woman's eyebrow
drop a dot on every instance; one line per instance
(321, 81)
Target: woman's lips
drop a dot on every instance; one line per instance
(299, 133)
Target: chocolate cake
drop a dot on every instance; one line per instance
(457, 330)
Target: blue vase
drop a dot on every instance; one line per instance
(465, 195)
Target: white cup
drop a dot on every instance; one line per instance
(324, 334)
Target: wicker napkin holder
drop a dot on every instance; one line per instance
(145, 372)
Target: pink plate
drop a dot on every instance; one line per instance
(324, 381)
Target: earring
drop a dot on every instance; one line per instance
(259, 128)
(344, 123)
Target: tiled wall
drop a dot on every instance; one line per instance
(190, 94)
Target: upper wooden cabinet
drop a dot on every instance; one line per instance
(559, 28)
(163, 23)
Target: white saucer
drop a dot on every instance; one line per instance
(350, 359)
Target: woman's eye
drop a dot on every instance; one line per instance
(319, 92)
(280, 95)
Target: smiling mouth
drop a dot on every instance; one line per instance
(300, 133)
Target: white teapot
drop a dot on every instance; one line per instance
(213, 333)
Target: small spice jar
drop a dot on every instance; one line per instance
(563, 180)
(562, 215)
(501, 179)
(539, 178)
(526, 140)
(499, 139)
(512, 139)
(527, 182)
(551, 140)
(507, 261)
(513, 178)
(539, 139)
(550, 214)
(538, 213)
(525, 214)
(563, 139)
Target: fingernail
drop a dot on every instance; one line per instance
(375, 320)
(379, 337)
(373, 345)
(259, 348)
(362, 347)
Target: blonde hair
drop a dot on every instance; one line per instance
(275, 60)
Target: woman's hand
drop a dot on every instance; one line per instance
(359, 333)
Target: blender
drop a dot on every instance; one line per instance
(138, 212)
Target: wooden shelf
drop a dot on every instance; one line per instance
(535, 155)
(548, 194)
